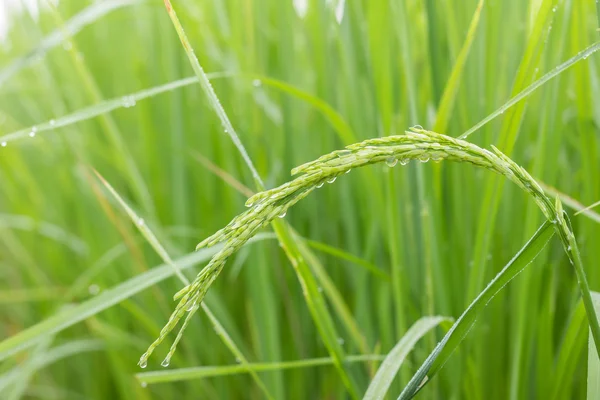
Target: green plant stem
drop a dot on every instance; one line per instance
(585, 291)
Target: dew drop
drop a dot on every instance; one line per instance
(3, 144)
(282, 215)
(424, 158)
(140, 221)
(569, 248)
(332, 179)
(391, 162)
(417, 128)
(348, 171)
(165, 363)
(191, 306)
(554, 9)
(404, 161)
(33, 132)
(143, 384)
(52, 122)
(143, 363)
(237, 360)
(341, 341)
(319, 185)
(256, 83)
(93, 289)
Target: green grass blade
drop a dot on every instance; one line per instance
(388, 370)
(86, 17)
(243, 361)
(26, 371)
(593, 374)
(568, 358)
(316, 303)
(449, 95)
(89, 85)
(106, 299)
(47, 229)
(436, 360)
(582, 55)
(184, 374)
(162, 252)
(12, 296)
(102, 108)
(52, 355)
(339, 124)
(572, 203)
(335, 297)
(572, 250)
(314, 298)
(211, 95)
(143, 228)
(344, 255)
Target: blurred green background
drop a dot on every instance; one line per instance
(298, 79)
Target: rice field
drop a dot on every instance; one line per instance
(299, 199)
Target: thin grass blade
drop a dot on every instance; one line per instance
(106, 299)
(103, 107)
(593, 374)
(162, 252)
(184, 374)
(436, 360)
(582, 55)
(86, 17)
(388, 370)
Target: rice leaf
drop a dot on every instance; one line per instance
(106, 299)
(184, 374)
(86, 17)
(436, 360)
(593, 375)
(388, 370)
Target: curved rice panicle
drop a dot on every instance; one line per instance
(415, 144)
